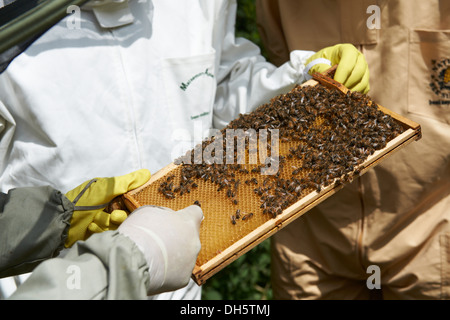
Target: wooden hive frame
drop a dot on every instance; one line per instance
(203, 271)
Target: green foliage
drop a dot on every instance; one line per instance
(249, 276)
(246, 26)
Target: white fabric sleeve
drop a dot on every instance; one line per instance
(245, 79)
(106, 266)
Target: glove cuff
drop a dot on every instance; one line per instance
(155, 253)
(312, 64)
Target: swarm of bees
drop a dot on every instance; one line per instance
(329, 133)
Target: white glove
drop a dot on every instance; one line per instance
(170, 242)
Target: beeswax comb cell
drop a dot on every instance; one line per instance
(327, 136)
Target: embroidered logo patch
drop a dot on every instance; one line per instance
(440, 81)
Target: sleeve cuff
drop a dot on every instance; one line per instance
(312, 64)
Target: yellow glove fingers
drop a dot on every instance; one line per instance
(367, 89)
(130, 181)
(95, 228)
(357, 73)
(117, 217)
(352, 65)
(363, 86)
(107, 189)
(102, 219)
(346, 58)
(320, 67)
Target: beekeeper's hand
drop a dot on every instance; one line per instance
(170, 242)
(90, 200)
(352, 70)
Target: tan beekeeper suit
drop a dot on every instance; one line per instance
(393, 222)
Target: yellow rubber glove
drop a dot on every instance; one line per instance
(352, 70)
(92, 197)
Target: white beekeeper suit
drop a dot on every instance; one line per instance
(119, 86)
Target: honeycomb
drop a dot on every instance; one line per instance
(324, 137)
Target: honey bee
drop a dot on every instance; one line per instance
(329, 135)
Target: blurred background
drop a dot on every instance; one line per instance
(249, 276)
